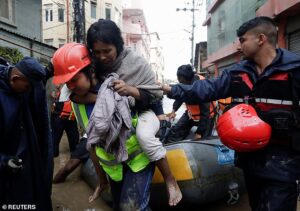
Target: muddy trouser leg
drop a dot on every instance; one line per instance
(268, 195)
(133, 193)
(180, 130)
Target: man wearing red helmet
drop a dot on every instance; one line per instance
(269, 80)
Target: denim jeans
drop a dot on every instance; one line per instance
(133, 192)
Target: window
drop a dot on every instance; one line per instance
(117, 17)
(221, 28)
(93, 10)
(48, 41)
(61, 42)
(48, 13)
(108, 11)
(7, 11)
(61, 14)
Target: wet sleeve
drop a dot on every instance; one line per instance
(3, 161)
(177, 104)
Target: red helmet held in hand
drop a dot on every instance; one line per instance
(68, 60)
(242, 130)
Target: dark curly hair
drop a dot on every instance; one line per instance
(264, 25)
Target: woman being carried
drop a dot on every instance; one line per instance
(105, 43)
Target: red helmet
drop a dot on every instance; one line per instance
(68, 60)
(242, 130)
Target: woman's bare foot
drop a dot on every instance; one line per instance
(174, 192)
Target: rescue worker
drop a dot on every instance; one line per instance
(63, 119)
(268, 79)
(26, 159)
(72, 66)
(195, 115)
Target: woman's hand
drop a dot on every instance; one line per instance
(122, 88)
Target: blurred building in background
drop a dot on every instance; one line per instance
(224, 17)
(68, 20)
(21, 29)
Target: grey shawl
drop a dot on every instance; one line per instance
(110, 121)
(136, 71)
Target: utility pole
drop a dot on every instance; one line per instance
(193, 33)
(193, 28)
(68, 21)
(79, 21)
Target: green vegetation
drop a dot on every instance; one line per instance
(12, 55)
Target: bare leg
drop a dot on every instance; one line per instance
(173, 189)
(102, 180)
(148, 125)
(62, 174)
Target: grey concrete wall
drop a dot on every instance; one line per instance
(27, 18)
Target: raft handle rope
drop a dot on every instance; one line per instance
(233, 190)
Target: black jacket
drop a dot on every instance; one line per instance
(25, 133)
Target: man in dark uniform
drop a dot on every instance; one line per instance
(26, 160)
(195, 115)
(269, 80)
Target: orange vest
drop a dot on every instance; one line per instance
(224, 102)
(65, 111)
(194, 110)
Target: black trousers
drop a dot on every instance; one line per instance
(182, 128)
(271, 176)
(60, 125)
(268, 195)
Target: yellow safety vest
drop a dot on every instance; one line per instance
(137, 159)
(81, 115)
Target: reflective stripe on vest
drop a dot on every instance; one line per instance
(137, 159)
(81, 115)
(266, 100)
